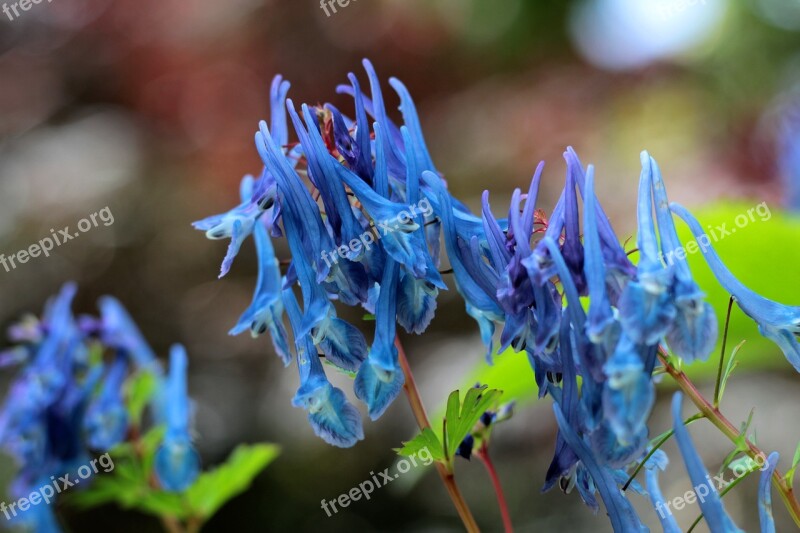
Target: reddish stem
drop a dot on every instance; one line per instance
(483, 455)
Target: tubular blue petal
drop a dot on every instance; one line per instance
(331, 416)
(600, 317)
(119, 331)
(658, 461)
(779, 323)
(177, 463)
(764, 496)
(711, 505)
(106, 421)
(620, 511)
(266, 310)
(380, 378)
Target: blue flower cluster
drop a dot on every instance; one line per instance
(524, 275)
(68, 401)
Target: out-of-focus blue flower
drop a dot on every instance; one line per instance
(118, 331)
(177, 463)
(106, 421)
(779, 323)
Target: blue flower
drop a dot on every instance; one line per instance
(266, 311)
(601, 327)
(764, 495)
(647, 312)
(694, 332)
(118, 331)
(380, 379)
(257, 196)
(480, 305)
(711, 505)
(659, 461)
(331, 416)
(177, 463)
(779, 323)
(106, 421)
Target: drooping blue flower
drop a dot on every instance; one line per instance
(331, 416)
(416, 297)
(601, 326)
(694, 332)
(779, 323)
(380, 379)
(620, 511)
(628, 393)
(711, 505)
(480, 305)
(106, 421)
(177, 463)
(266, 311)
(256, 196)
(118, 331)
(646, 309)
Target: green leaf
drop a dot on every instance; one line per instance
(427, 439)
(213, 489)
(789, 476)
(461, 417)
(163, 503)
(729, 368)
(139, 389)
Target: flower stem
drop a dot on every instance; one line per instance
(714, 415)
(414, 399)
(722, 355)
(483, 455)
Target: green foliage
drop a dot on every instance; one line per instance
(139, 389)
(426, 439)
(459, 420)
(132, 483)
(213, 489)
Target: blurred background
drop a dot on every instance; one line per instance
(149, 108)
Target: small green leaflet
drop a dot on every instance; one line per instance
(213, 489)
(426, 439)
(729, 368)
(460, 418)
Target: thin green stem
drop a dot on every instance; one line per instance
(717, 387)
(414, 399)
(661, 439)
(713, 414)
